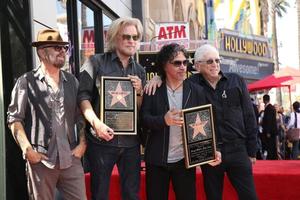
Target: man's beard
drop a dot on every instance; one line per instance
(59, 65)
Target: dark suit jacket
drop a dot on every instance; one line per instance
(269, 121)
(153, 110)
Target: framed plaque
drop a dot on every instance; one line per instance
(118, 108)
(198, 135)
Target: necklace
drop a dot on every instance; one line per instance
(174, 90)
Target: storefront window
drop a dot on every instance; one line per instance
(18, 58)
(106, 23)
(86, 32)
(62, 25)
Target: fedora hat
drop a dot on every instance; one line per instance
(48, 36)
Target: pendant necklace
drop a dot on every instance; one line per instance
(174, 90)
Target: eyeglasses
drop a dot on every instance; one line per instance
(129, 37)
(178, 63)
(57, 48)
(211, 61)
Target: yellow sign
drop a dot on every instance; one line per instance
(245, 45)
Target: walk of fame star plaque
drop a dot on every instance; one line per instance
(118, 105)
(198, 136)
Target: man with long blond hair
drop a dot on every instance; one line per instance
(104, 148)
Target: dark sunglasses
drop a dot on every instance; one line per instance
(211, 61)
(178, 63)
(57, 48)
(128, 37)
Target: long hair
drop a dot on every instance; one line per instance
(116, 26)
(167, 54)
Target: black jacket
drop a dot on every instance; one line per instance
(269, 123)
(233, 111)
(153, 110)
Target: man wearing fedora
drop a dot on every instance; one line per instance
(45, 120)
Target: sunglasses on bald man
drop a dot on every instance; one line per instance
(210, 61)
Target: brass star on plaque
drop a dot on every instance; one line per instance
(198, 127)
(118, 95)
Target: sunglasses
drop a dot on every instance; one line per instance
(57, 48)
(179, 63)
(211, 61)
(129, 37)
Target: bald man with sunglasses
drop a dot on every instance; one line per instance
(235, 122)
(46, 123)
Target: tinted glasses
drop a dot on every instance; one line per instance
(178, 63)
(129, 37)
(57, 47)
(210, 61)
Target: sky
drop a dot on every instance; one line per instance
(287, 32)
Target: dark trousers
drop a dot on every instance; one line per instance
(271, 148)
(158, 181)
(236, 164)
(295, 150)
(102, 160)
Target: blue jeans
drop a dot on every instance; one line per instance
(102, 160)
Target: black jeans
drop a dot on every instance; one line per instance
(158, 181)
(237, 165)
(102, 160)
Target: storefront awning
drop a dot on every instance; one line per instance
(269, 82)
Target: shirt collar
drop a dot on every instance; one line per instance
(114, 56)
(41, 76)
(223, 76)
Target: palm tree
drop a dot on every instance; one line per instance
(278, 8)
(264, 6)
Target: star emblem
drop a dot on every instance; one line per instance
(118, 95)
(198, 127)
(190, 59)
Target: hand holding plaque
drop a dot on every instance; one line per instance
(101, 130)
(198, 136)
(118, 105)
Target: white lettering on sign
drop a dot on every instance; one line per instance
(170, 32)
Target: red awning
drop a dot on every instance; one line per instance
(289, 71)
(268, 82)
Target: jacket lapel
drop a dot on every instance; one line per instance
(165, 95)
(186, 94)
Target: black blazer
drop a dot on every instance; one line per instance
(154, 108)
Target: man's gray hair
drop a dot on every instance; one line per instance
(202, 50)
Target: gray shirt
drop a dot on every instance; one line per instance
(175, 152)
(107, 64)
